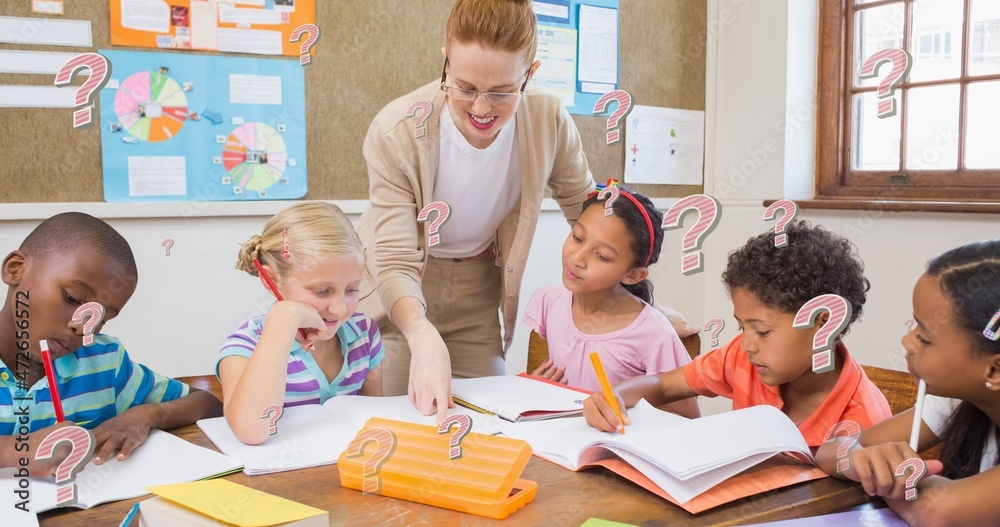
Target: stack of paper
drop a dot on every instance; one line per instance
(223, 501)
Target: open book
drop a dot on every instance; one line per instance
(163, 459)
(677, 458)
(518, 398)
(314, 435)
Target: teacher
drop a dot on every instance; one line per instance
(490, 147)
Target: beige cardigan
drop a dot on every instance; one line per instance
(401, 170)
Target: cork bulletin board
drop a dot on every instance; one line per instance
(370, 52)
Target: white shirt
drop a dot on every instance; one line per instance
(481, 186)
(936, 412)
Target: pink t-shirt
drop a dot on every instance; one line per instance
(649, 345)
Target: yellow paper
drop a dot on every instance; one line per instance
(233, 503)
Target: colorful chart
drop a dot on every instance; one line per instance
(255, 157)
(151, 106)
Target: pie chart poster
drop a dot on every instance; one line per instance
(178, 127)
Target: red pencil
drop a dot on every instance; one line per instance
(50, 373)
(270, 285)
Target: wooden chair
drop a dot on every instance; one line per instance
(538, 349)
(899, 387)
(204, 382)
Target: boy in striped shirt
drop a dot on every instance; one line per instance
(68, 260)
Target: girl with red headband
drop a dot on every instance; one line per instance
(606, 301)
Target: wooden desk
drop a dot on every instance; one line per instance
(564, 499)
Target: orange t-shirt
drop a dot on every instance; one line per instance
(727, 372)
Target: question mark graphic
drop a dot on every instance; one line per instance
(385, 445)
(840, 315)
(272, 413)
(82, 446)
(443, 211)
(464, 426)
(709, 213)
(909, 325)
(715, 326)
(421, 117)
(791, 210)
(853, 432)
(100, 70)
(94, 313)
(168, 243)
(901, 63)
(624, 107)
(919, 469)
(609, 194)
(296, 35)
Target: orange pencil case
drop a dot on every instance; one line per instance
(413, 462)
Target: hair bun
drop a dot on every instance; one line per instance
(248, 253)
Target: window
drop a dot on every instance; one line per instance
(943, 142)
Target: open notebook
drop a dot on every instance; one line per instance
(518, 398)
(163, 459)
(314, 435)
(677, 458)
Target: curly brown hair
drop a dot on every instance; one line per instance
(815, 262)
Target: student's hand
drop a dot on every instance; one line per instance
(429, 388)
(599, 414)
(123, 433)
(294, 314)
(41, 467)
(875, 468)
(548, 370)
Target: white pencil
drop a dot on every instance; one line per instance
(917, 409)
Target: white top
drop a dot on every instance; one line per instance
(936, 412)
(481, 186)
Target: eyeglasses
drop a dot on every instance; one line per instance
(498, 98)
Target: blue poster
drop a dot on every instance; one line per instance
(180, 127)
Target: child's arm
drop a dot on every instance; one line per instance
(373, 382)
(125, 432)
(657, 390)
(548, 370)
(13, 451)
(251, 385)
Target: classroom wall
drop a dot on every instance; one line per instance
(761, 74)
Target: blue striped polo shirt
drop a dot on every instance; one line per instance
(96, 383)
(305, 382)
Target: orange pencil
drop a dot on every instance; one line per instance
(609, 394)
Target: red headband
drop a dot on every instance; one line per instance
(612, 182)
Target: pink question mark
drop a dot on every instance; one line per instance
(100, 70)
(790, 211)
(919, 469)
(909, 325)
(385, 445)
(296, 35)
(901, 63)
(464, 423)
(421, 117)
(609, 194)
(709, 213)
(168, 243)
(272, 413)
(624, 107)
(81, 450)
(443, 211)
(853, 433)
(840, 315)
(94, 313)
(715, 326)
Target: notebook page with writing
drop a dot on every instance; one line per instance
(358, 409)
(307, 436)
(162, 460)
(517, 398)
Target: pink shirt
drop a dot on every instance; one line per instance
(649, 345)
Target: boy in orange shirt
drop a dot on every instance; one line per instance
(771, 362)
